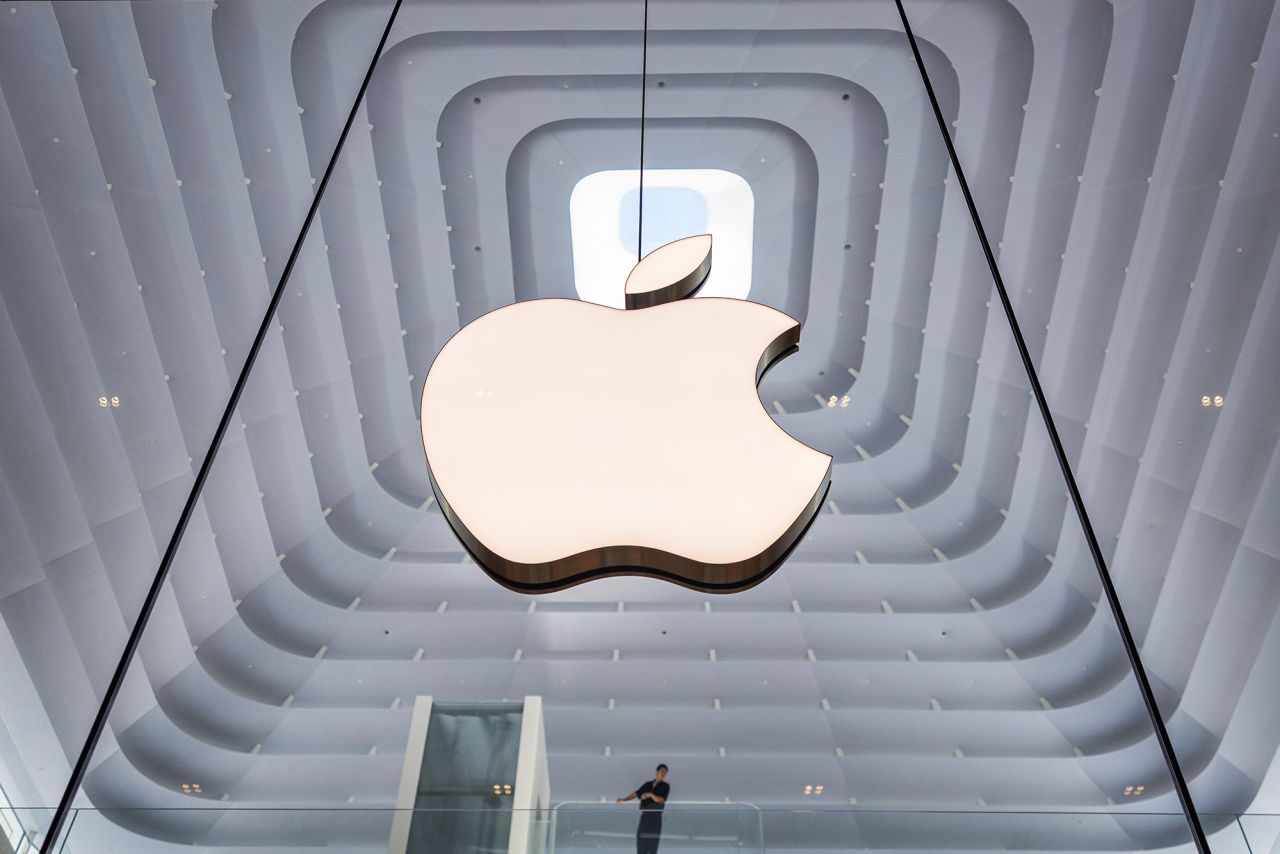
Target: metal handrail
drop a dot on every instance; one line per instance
(677, 803)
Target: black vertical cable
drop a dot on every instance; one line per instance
(1099, 562)
(644, 89)
(166, 562)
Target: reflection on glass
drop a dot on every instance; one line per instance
(467, 745)
(1142, 274)
(156, 164)
(318, 590)
(937, 642)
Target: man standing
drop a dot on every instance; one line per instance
(653, 797)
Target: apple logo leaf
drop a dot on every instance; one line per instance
(670, 272)
(568, 441)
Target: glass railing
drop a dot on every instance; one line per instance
(1260, 832)
(604, 828)
(583, 827)
(14, 835)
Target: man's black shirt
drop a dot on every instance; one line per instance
(659, 789)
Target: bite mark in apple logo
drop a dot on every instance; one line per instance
(568, 441)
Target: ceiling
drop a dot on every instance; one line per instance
(935, 642)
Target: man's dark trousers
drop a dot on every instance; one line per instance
(649, 831)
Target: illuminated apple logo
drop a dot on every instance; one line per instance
(569, 441)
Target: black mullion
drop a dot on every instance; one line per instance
(166, 562)
(644, 90)
(1095, 551)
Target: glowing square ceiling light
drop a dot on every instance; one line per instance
(604, 211)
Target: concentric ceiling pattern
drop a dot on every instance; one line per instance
(936, 641)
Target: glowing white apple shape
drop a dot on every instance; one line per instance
(568, 441)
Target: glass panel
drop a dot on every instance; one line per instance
(1122, 158)
(155, 168)
(1263, 833)
(20, 827)
(246, 830)
(1225, 835)
(726, 827)
(318, 589)
(468, 768)
(720, 827)
(945, 599)
(934, 653)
